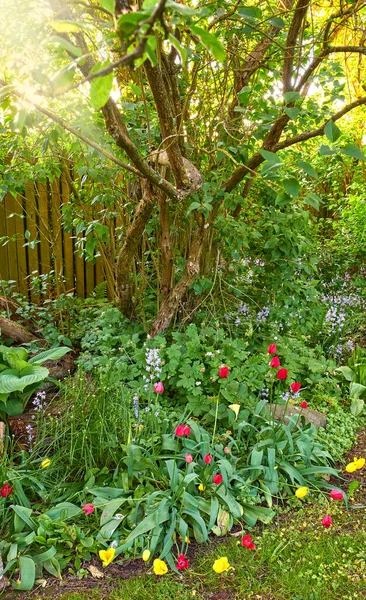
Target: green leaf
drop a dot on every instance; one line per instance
(211, 42)
(277, 22)
(100, 87)
(178, 46)
(129, 22)
(63, 511)
(108, 493)
(22, 517)
(250, 13)
(181, 9)
(353, 486)
(331, 131)
(67, 26)
(66, 45)
(291, 97)
(326, 151)
(313, 200)
(158, 517)
(347, 373)
(43, 556)
(357, 406)
(292, 186)
(52, 354)
(10, 381)
(150, 50)
(12, 407)
(193, 206)
(293, 112)
(270, 156)
(109, 5)
(354, 151)
(27, 574)
(356, 390)
(307, 168)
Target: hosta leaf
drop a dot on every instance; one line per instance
(52, 354)
(10, 381)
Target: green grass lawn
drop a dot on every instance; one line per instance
(295, 559)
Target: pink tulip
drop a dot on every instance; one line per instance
(88, 509)
(336, 495)
(159, 388)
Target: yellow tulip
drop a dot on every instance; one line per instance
(45, 463)
(301, 492)
(221, 564)
(159, 567)
(351, 467)
(146, 555)
(201, 487)
(359, 462)
(235, 408)
(106, 556)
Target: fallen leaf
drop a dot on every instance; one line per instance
(94, 572)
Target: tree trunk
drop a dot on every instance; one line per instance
(170, 305)
(133, 236)
(16, 332)
(165, 246)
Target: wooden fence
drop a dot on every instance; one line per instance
(38, 210)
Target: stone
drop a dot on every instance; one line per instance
(311, 416)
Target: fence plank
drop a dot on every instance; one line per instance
(4, 257)
(56, 240)
(44, 229)
(89, 277)
(10, 208)
(31, 225)
(68, 249)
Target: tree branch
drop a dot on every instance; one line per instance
(318, 59)
(294, 29)
(307, 135)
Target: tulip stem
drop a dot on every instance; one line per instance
(216, 416)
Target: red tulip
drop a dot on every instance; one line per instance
(189, 458)
(327, 521)
(281, 374)
(207, 459)
(217, 479)
(275, 362)
(159, 388)
(246, 542)
(303, 404)
(6, 490)
(182, 430)
(336, 495)
(179, 430)
(183, 562)
(88, 509)
(224, 372)
(272, 349)
(295, 386)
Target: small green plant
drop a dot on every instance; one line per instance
(20, 376)
(355, 373)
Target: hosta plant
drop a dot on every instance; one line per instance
(355, 374)
(20, 376)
